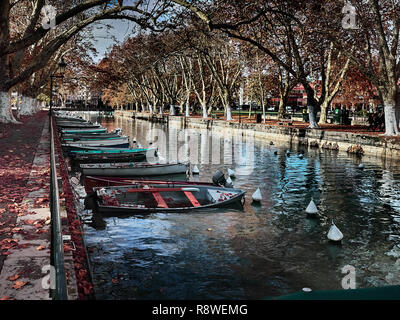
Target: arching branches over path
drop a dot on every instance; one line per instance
(28, 41)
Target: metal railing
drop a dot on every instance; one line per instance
(58, 287)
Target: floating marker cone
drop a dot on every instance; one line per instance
(195, 170)
(312, 208)
(334, 233)
(257, 195)
(231, 173)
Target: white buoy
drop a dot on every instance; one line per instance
(334, 233)
(301, 156)
(134, 140)
(257, 195)
(271, 143)
(312, 208)
(229, 183)
(231, 173)
(361, 166)
(288, 153)
(195, 170)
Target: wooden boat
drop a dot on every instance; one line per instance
(88, 150)
(60, 119)
(84, 139)
(91, 182)
(102, 156)
(78, 125)
(105, 143)
(162, 198)
(89, 135)
(133, 169)
(84, 130)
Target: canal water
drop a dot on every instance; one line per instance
(265, 250)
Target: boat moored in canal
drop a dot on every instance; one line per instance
(133, 169)
(163, 198)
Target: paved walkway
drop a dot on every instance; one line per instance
(24, 211)
(27, 254)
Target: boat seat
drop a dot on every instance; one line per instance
(160, 200)
(192, 199)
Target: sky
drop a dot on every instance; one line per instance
(104, 38)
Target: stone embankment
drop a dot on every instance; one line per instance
(352, 142)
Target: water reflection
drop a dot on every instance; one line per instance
(267, 249)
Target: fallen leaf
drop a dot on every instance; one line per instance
(19, 284)
(40, 248)
(6, 298)
(13, 278)
(30, 221)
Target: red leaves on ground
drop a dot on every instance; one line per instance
(42, 202)
(85, 287)
(13, 278)
(20, 284)
(7, 244)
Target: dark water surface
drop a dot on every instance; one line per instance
(264, 250)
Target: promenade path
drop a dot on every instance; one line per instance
(24, 209)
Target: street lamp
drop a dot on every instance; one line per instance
(61, 70)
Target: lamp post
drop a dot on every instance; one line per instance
(61, 68)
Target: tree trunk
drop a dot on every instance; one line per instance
(228, 113)
(313, 116)
(204, 108)
(391, 120)
(281, 110)
(187, 110)
(6, 115)
(324, 112)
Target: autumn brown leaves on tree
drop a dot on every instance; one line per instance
(28, 46)
(194, 51)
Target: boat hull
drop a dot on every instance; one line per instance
(130, 207)
(134, 169)
(91, 182)
(86, 131)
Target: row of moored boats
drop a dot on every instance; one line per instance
(118, 179)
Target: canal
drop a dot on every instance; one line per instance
(264, 250)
